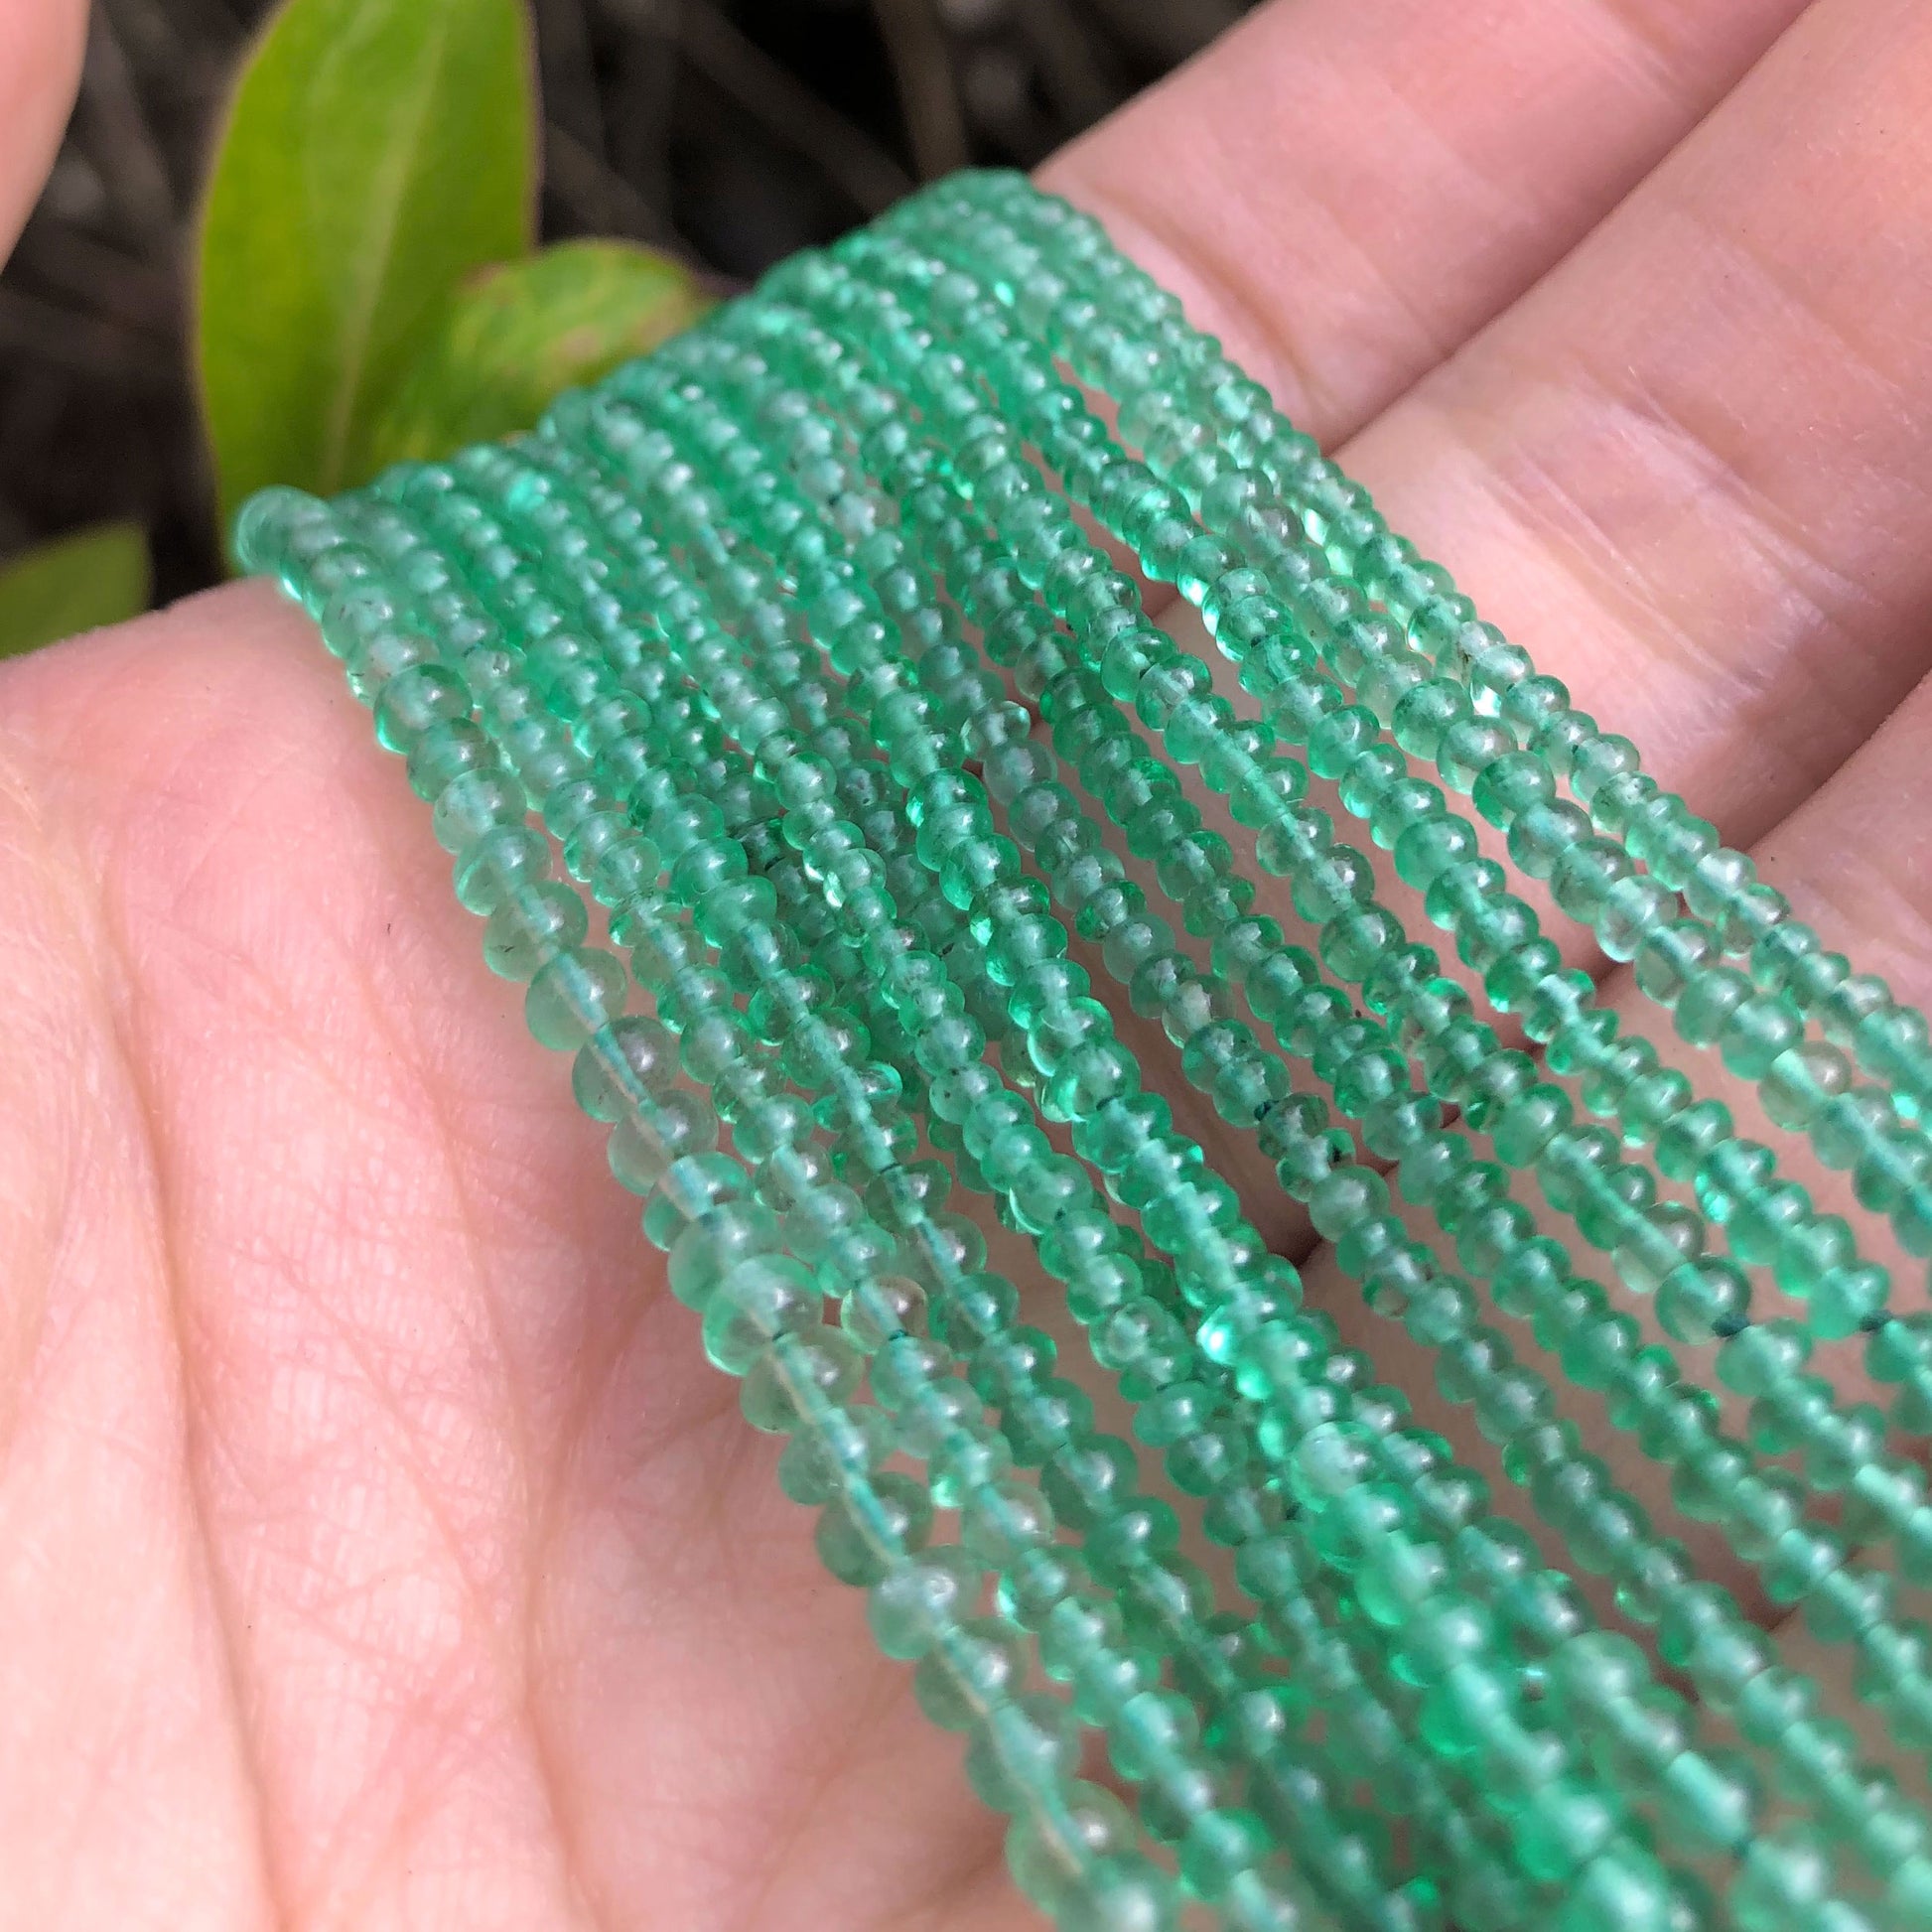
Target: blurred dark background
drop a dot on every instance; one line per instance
(729, 134)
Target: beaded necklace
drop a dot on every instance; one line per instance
(809, 659)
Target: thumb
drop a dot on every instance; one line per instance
(41, 44)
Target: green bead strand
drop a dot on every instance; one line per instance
(1484, 685)
(872, 1531)
(1687, 1304)
(787, 725)
(1608, 1500)
(1119, 1678)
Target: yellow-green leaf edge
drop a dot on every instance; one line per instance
(517, 334)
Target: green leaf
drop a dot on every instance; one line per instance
(515, 335)
(74, 583)
(376, 151)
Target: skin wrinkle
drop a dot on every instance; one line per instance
(1646, 25)
(420, 1792)
(988, 1904)
(390, 1851)
(604, 1367)
(395, 1409)
(1747, 254)
(710, 1518)
(1908, 894)
(1564, 529)
(326, 1617)
(593, 1909)
(408, 1043)
(1579, 540)
(390, 1405)
(785, 1843)
(111, 986)
(36, 1342)
(519, 1660)
(890, 1702)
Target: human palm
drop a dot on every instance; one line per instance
(375, 1547)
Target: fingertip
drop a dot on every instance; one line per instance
(42, 43)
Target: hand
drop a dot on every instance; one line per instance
(375, 1547)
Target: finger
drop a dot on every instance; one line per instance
(1342, 190)
(1687, 472)
(1855, 858)
(40, 67)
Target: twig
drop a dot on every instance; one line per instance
(129, 155)
(1074, 80)
(173, 38)
(646, 83)
(789, 111)
(90, 345)
(120, 286)
(915, 44)
(598, 195)
(568, 74)
(1169, 30)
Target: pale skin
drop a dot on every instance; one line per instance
(375, 1547)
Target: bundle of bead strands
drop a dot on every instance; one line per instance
(724, 657)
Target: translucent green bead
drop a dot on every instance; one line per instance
(1560, 1828)
(529, 924)
(1118, 1895)
(1019, 1746)
(1717, 1801)
(793, 1384)
(928, 1601)
(498, 862)
(1784, 1874)
(1702, 1301)
(690, 1186)
(1541, 834)
(755, 1302)
(862, 1537)
(1091, 1817)
(1908, 1895)
(573, 996)
(714, 1242)
(982, 1664)
(1621, 1889)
